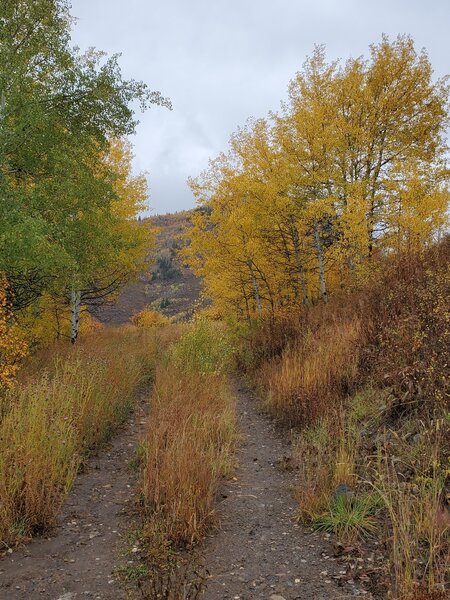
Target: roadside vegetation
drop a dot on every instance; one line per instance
(65, 403)
(322, 239)
(362, 385)
(187, 452)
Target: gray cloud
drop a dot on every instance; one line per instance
(221, 61)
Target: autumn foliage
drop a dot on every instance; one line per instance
(307, 201)
(149, 318)
(13, 347)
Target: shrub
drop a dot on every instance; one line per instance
(204, 348)
(13, 347)
(149, 318)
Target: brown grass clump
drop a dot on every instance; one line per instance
(53, 417)
(190, 439)
(188, 450)
(419, 518)
(313, 373)
(365, 378)
(393, 332)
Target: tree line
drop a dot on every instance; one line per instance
(309, 199)
(69, 201)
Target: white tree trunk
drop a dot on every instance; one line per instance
(2, 106)
(298, 263)
(323, 283)
(75, 304)
(255, 288)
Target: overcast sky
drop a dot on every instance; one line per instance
(222, 61)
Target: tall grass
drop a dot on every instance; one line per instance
(368, 373)
(311, 374)
(190, 438)
(56, 415)
(394, 331)
(419, 521)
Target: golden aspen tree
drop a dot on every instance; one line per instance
(351, 169)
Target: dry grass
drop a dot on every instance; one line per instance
(368, 374)
(419, 520)
(311, 375)
(325, 456)
(190, 439)
(54, 416)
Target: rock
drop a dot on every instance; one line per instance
(276, 597)
(343, 490)
(416, 438)
(67, 596)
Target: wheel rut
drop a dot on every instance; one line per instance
(77, 561)
(260, 551)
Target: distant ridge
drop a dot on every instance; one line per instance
(168, 286)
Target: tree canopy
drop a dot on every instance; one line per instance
(67, 196)
(352, 168)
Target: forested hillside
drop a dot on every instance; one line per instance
(166, 284)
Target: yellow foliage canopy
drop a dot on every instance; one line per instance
(13, 347)
(306, 201)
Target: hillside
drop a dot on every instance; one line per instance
(168, 286)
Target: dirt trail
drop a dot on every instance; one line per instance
(77, 562)
(260, 552)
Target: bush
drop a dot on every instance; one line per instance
(149, 318)
(13, 346)
(204, 348)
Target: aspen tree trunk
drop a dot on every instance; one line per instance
(255, 288)
(298, 264)
(75, 303)
(247, 308)
(370, 229)
(323, 283)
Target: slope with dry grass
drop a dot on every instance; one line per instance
(363, 382)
